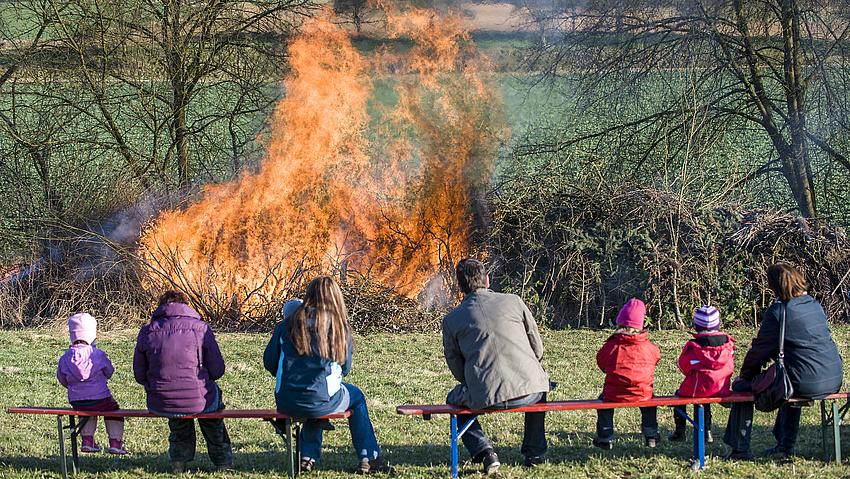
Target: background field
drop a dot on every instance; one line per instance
(392, 370)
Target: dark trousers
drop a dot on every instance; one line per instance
(605, 423)
(681, 422)
(740, 426)
(534, 437)
(182, 440)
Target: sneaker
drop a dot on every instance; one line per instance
(89, 445)
(739, 456)
(491, 463)
(532, 461)
(307, 465)
(225, 468)
(606, 445)
(375, 465)
(179, 467)
(678, 436)
(778, 452)
(652, 441)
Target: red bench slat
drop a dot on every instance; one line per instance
(226, 413)
(580, 404)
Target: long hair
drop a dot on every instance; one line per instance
(321, 320)
(785, 281)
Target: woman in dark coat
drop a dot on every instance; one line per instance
(811, 358)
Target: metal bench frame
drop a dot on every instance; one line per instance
(830, 417)
(285, 426)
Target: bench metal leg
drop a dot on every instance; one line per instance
(293, 454)
(833, 417)
(457, 433)
(62, 459)
(75, 431)
(453, 427)
(698, 462)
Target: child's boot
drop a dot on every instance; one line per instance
(89, 445)
(116, 447)
(679, 434)
(115, 431)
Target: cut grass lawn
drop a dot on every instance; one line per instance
(391, 370)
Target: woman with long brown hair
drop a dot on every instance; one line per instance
(309, 354)
(811, 359)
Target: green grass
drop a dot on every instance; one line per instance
(392, 370)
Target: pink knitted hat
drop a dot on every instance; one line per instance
(82, 326)
(632, 314)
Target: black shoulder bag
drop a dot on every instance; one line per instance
(772, 387)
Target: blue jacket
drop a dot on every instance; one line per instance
(305, 386)
(811, 357)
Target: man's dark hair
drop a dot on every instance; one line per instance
(173, 296)
(471, 275)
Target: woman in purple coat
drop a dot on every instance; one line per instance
(177, 360)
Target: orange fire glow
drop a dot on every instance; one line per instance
(376, 166)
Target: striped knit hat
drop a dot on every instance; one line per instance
(707, 318)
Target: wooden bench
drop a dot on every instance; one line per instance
(829, 417)
(285, 426)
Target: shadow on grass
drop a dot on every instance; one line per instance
(268, 457)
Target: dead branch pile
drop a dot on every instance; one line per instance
(577, 256)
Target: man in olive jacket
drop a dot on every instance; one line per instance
(493, 348)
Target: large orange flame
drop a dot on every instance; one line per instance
(376, 166)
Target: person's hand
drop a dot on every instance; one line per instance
(737, 379)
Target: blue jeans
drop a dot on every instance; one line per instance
(362, 432)
(534, 437)
(740, 427)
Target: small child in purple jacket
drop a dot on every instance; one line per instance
(84, 370)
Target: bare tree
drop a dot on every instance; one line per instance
(761, 69)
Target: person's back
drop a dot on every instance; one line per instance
(494, 339)
(811, 356)
(308, 383)
(707, 361)
(177, 359)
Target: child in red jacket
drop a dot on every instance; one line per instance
(628, 360)
(707, 362)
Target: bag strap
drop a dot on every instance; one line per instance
(781, 357)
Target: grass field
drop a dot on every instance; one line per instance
(392, 370)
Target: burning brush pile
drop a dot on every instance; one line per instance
(375, 173)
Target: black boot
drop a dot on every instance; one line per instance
(679, 434)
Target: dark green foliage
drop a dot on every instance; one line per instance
(577, 254)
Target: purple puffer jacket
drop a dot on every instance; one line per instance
(84, 369)
(177, 360)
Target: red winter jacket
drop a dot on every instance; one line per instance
(707, 362)
(628, 361)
